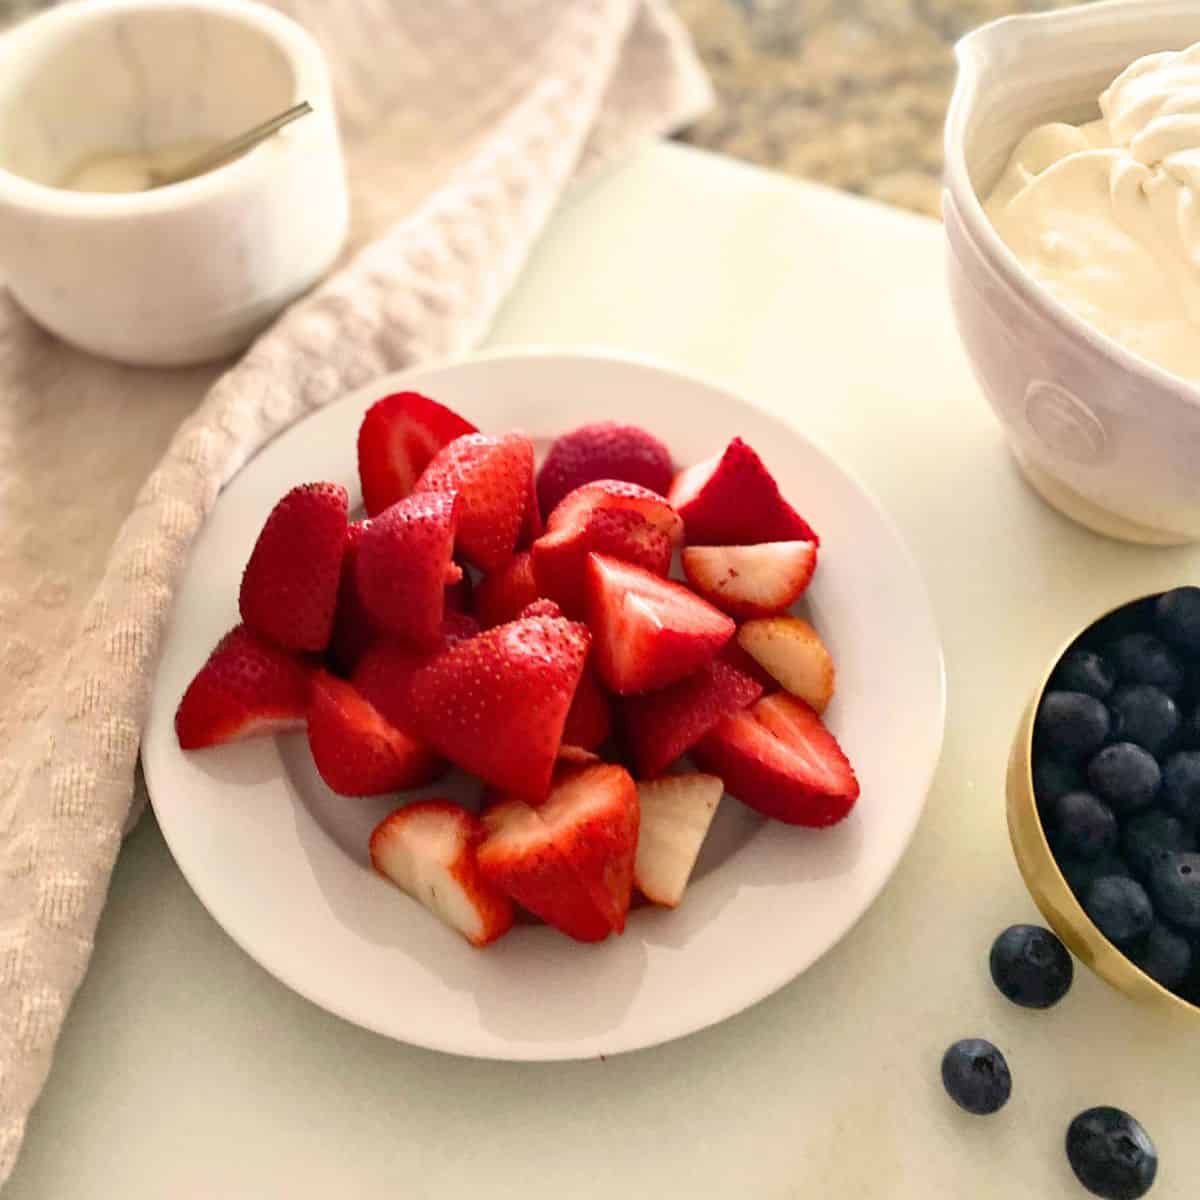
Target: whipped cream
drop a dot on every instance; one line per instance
(1106, 215)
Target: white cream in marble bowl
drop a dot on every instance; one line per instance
(189, 272)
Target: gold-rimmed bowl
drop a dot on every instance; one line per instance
(1043, 877)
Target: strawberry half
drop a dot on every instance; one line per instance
(355, 750)
(648, 632)
(491, 478)
(751, 581)
(779, 759)
(569, 861)
(792, 652)
(404, 564)
(428, 849)
(397, 439)
(662, 726)
(621, 520)
(732, 499)
(605, 450)
(496, 704)
(289, 589)
(504, 593)
(676, 812)
(247, 688)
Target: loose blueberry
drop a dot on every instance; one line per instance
(1150, 836)
(1111, 1154)
(1053, 778)
(1119, 908)
(1166, 957)
(1181, 785)
(1071, 725)
(1080, 874)
(1175, 885)
(1144, 715)
(1143, 658)
(976, 1076)
(1126, 776)
(1084, 671)
(1177, 619)
(1031, 966)
(1086, 827)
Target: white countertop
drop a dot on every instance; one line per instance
(186, 1071)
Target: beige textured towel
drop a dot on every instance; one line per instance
(463, 121)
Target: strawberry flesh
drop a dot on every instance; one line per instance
(750, 581)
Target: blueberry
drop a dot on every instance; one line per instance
(1151, 835)
(1111, 1154)
(1071, 725)
(1120, 909)
(1031, 966)
(1086, 827)
(1144, 715)
(1130, 618)
(1166, 957)
(1053, 778)
(976, 1076)
(1177, 619)
(1175, 886)
(1143, 658)
(1080, 874)
(1125, 776)
(1084, 671)
(1181, 785)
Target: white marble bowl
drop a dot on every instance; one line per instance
(1105, 436)
(192, 271)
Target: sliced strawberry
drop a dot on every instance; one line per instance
(491, 478)
(648, 632)
(676, 812)
(732, 499)
(353, 628)
(791, 650)
(355, 750)
(779, 759)
(737, 658)
(662, 726)
(751, 581)
(404, 565)
(589, 719)
(605, 450)
(247, 688)
(429, 850)
(621, 520)
(590, 823)
(397, 439)
(496, 704)
(290, 586)
(504, 593)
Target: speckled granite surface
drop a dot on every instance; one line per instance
(848, 92)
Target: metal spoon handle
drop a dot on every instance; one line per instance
(230, 149)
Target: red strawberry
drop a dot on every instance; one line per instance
(676, 812)
(606, 450)
(355, 750)
(353, 629)
(570, 860)
(589, 720)
(495, 704)
(386, 670)
(429, 850)
(504, 593)
(397, 438)
(779, 758)
(751, 581)
(648, 632)
(404, 565)
(661, 726)
(622, 520)
(247, 688)
(290, 585)
(491, 478)
(732, 500)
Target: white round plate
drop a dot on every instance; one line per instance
(281, 862)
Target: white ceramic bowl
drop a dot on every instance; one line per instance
(1110, 439)
(192, 271)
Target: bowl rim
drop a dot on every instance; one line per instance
(972, 53)
(1025, 741)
